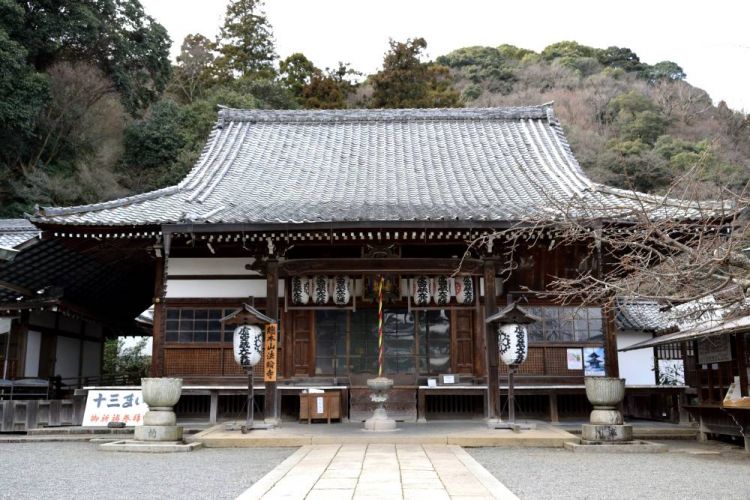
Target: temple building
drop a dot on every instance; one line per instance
(300, 214)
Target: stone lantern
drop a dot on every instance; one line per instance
(247, 344)
(513, 347)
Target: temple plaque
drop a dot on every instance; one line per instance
(269, 361)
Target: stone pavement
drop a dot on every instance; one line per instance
(388, 471)
(461, 433)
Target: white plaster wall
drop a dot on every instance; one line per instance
(636, 367)
(92, 359)
(218, 288)
(188, 266)
(66, 356)
(33, 350)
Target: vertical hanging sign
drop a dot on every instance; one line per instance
(270, 358)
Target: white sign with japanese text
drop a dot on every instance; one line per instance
(105, 406)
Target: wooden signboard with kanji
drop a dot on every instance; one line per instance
(270, 358)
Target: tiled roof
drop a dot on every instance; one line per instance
(642, 315)
(291, 167)
(14, 232)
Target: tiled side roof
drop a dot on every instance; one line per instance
(642, 315)
(289, 167)
(14, 232)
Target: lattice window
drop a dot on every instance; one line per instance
(566, 324)
(196, 325)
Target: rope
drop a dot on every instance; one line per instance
(380, 327)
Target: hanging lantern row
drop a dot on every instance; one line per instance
(319, 290)
(440, 289)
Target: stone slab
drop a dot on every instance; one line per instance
(375, 471)
(158, 433)
(606, 433)
(631, 447)
(133, 446)
(471, 434)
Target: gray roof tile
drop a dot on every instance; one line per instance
(642, 315)
(289, 167)
(15, 232)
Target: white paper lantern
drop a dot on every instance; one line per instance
(341, 290)
(300, 290)
(464, 289)
(422, 290)
(513, 343)
(442, 292)
(248, 345)
(320, 292)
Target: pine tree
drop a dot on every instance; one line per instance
(245, 43)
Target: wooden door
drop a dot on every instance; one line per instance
(463, 341)
(302, 342)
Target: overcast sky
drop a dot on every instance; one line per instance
(709, 39)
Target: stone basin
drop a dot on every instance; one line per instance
(605, 391)
(161, 392)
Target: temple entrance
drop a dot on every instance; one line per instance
(418, 343)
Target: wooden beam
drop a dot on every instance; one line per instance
(395, 265)
(740, 349)
(157, 357)
(16, 288)
(611, 362)
(490, 339)
(270, 403)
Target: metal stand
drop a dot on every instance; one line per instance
(250, 403)
(511, 397)
(511, 423)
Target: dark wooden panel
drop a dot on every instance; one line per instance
(302, 342)
(309, 266)
(192, 361)
(463, 341)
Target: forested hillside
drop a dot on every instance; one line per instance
(91, 107)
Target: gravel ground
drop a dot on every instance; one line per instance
(80, 471)
(533, 473)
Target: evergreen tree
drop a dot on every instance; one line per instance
(407, 82)
(245, 43)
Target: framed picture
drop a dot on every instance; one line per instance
(593, 361)
(575, 358)
(391, 287)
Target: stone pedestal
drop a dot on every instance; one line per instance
(159, 422)
(606, 423)
(380, 421)
(606, 433)
(158, 433)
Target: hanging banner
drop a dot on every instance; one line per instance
(270, 358)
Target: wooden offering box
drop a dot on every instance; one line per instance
(325, 405)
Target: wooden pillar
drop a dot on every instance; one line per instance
(741, 362)
(270, 403)
(554, 416)
(611, 363)
(157, 351)
(490, 339)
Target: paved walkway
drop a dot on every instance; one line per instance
(462, 433)
(408, 471)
